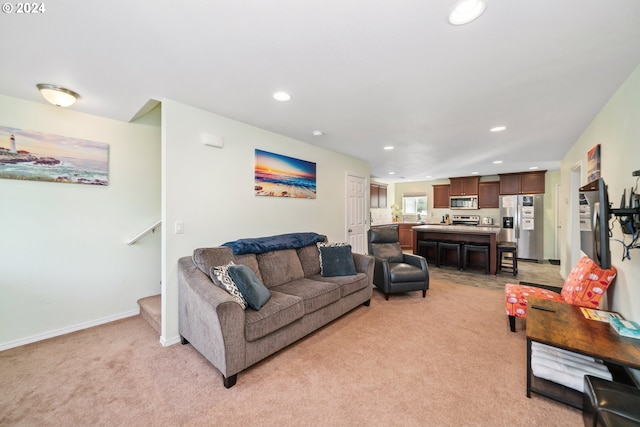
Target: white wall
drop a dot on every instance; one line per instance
(212, 191)
(64, 263)
(617, 129)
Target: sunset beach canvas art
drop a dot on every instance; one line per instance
(36, 156)
(281, 176)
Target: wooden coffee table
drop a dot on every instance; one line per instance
(564, 326)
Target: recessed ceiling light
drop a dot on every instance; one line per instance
(466, 11)
(497, 162)
(533, 167)
(428, 176)
(317, 133)
(389, 147)
(281, 96)
(497, 129)
(475, 173)
(392, 173)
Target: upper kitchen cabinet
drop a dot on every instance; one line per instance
(522, 183)
(378, 195)
(465, 186)
(489, 194)
(441, 196)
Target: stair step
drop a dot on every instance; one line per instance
(151, 311)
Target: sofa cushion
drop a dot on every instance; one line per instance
(347, 284)
(278, 267)
(205, 258)
(279, 311)
(336, 260)
(315, 294)
(220, 276)
(310, 259)
(253, 290)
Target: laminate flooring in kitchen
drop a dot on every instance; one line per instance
(543, 273)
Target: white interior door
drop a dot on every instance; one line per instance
(356, 218)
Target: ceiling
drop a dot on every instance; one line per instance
(366, 73)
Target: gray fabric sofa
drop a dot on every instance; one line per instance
(301, 301)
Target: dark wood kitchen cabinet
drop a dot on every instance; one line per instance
(378, 196)
(522, 183)
(489, 194)
(465, 186)
(405, 236)
(441, 196)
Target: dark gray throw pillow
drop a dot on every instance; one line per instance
(252, 289)
(336, 260)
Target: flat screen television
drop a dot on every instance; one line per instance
(594, 222)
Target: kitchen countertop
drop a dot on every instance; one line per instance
(444, 228)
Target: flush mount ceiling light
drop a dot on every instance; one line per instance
(497, 162)
(497, 129)
(389, 147)
(57, 95)
(317, 133)
(466, 11)
(282, 96)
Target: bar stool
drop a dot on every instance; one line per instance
(443, 247)
(507, 248)
(427, 244)
(479, 248)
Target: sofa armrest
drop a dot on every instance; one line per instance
(364, 264)
(210, 319)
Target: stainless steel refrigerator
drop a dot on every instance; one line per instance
(522, 222)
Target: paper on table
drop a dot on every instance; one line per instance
(599, 315)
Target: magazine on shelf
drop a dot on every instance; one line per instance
(599, 315)
(626, 328)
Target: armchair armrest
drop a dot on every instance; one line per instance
(417, 261)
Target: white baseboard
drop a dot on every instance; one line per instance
(170, 341)
(69, 329)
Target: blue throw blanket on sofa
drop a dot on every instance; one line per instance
(259, 245)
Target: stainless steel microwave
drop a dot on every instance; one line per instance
(463, 202)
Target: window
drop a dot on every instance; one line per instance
(414, 203)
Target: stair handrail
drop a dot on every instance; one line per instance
(148, 230)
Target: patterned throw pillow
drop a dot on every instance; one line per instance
(221, 278)
(587, 283)
(336, 259)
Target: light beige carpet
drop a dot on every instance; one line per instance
(447, 360)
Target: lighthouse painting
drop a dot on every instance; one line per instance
(36, 156)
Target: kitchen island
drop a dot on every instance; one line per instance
(459, 233)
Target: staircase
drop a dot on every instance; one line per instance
(150, 310)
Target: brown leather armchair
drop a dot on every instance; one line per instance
(395, 271)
